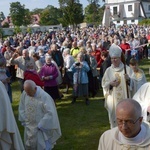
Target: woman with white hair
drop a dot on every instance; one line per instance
(80, 78)
(68, 62)
(49, 74)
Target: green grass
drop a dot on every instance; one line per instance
(81, 125)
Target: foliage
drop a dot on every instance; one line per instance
(6, 25)
(2, 16)
(17, 30)
(69, 13)
(1, 33)
(50, 16)
(93, 13)
(64, 3)
(72, 12)
(27, 17)
(29, 30)
(144, 22)
(19, 15)
(37, 11)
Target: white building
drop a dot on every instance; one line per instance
(121, 12)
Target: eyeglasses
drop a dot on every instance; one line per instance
(127, 122)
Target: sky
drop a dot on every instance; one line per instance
(32, 4)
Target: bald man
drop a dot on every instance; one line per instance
(37, 113)
(21, 62)
(131, 132)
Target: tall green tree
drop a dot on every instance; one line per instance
(50, 16)
(93, 12)
(27, 18)
(72, 11)
(19, 15)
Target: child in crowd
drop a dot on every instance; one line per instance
(137, 78)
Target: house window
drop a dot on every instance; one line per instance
(149, 7)
(132, 20)
(129, 7)
(118, 21)
(114, 10)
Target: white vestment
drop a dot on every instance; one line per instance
(35, 112)
(143, 97)
(138, 79)
(9, 134)
(111, 140)
(116, 94)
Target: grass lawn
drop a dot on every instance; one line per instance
(81, 125)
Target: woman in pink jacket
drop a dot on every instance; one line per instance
(49, 74)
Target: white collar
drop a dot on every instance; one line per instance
(135, 140)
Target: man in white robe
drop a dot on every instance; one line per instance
(114, 83)
(37, 112)
(10, 138)
(131, 133)
(143, 97)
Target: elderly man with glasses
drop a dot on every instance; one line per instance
(131, 132)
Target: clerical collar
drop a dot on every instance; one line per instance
(135, 140)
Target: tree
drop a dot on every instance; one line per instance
(50, 16)
(1, 33)
(72, 12)
(93, 13)
(17, 30)
(5, 25)
(37, 11)
(2, 16)
(19, 15)
(27, 18)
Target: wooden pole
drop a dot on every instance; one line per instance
(125, 70)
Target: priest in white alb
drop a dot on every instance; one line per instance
(131, 132)
(37, 113)
(143, 97)
(115, 83)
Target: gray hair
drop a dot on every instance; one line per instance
(67, 51)
(30, 84)
(131, 103)
(48, 57)
(81, 55)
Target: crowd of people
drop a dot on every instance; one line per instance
(63, 48)
(82, 59)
